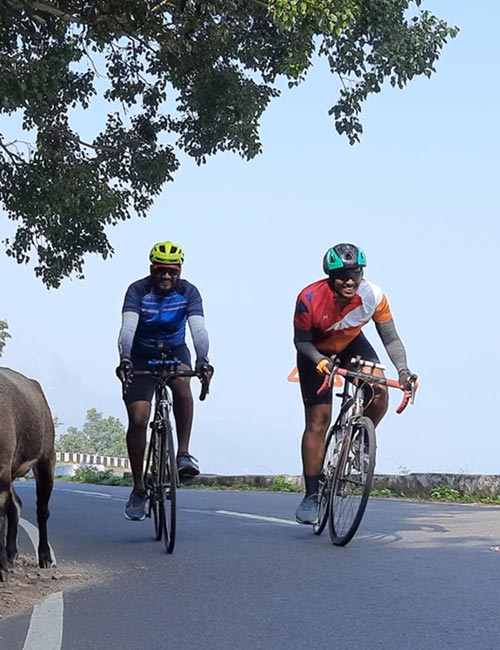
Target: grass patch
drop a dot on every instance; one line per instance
(237, 485)
(284, 484)
(279, 484)
(450, 495)
(383, 492)
(97, 477)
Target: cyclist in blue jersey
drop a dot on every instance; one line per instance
(154, 316)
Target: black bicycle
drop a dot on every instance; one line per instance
(350, 450)
(160, 476)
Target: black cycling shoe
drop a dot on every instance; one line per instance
(187, 466)
(135, 510)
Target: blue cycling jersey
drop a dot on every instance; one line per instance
(162, 317)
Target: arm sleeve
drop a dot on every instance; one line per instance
(130, 320)
(199, 335)
(303, 343)
(393, 344)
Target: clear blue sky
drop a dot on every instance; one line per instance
(419, 194)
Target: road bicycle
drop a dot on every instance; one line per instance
(161, 477)
(350, 449)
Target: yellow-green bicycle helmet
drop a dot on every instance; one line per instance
(166, 252)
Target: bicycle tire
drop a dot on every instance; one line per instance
(168, 486)
(325, 483)
(352, 481)
(152, 483)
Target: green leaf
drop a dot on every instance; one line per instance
(185, 77)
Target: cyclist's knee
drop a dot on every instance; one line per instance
(381, 397)
(138, 416)
(378, 405)
(181, 389)
(318, 419)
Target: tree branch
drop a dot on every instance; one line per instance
(73, 138)
(15, 157)
(160, 5)
(85, 51)
(43, 7)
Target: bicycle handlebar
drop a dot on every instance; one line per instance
(164, 374)
(408, 395)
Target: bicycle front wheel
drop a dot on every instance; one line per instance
(352, 481)
(325, 482)
(168, 487)
(151, 481)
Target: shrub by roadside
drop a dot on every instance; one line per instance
(282, 483)
(98, 477)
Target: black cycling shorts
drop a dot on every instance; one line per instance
(311, 380)
(143, 388)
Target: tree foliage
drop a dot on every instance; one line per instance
(4, 335)
(99, 435)
(168, 76)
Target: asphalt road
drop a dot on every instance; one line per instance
(416, 576)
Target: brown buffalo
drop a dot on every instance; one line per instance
(26, 442)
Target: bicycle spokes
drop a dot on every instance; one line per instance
(352, 481)
(332, 448)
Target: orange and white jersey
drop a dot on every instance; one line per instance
(332, 327)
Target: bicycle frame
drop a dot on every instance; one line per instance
(164, 370)
(163, 404)
(352, 402)
(353, 397)
(351, 408)
(350, 447)
(161, 475)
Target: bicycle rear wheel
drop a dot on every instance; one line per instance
(325, 482)
(352, 481)
(167, 493)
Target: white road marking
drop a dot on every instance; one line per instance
(88, 493)
(246, 515)
(46, 625)
(99, 495)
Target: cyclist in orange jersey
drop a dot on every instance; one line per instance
(329, 317)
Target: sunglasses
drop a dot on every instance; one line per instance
(166, 270)
(347, 274)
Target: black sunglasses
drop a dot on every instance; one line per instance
(166, 270)
(346, 274)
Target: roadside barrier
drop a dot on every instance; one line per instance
(78, 458)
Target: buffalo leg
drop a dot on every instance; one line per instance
(13, 512)
(44, 476)
(4, 523)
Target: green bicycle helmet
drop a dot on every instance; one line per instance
(343, 256)
(166, 252)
